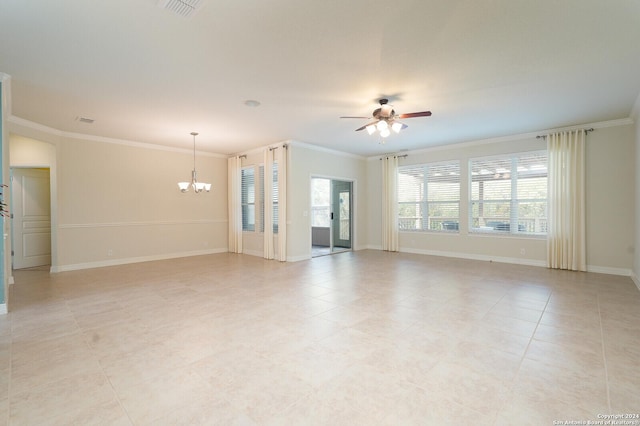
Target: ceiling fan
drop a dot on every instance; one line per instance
(385, 119)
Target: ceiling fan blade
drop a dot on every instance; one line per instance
(415, 114)
(364, 118)
(365, 126)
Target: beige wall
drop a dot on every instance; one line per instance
(610, 204)
(610, 198)
(119, 203)
(307, 162)
(27, 152)
(636, 262)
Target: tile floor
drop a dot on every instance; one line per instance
(359, 338)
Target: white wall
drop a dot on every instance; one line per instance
(119, 202)
(610, 204)
(610, 199)
(636, 258)
(27, 152)
(306, 162)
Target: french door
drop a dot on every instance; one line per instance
(341, 208)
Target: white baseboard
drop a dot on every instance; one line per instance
(11, 280)
(471, 256)
(635, 279)
(126, 261)
(3, 309)
(257, 253)
(298, 258)
(609, 271)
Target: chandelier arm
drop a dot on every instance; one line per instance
(197, 187)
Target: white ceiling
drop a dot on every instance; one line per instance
(485, 68)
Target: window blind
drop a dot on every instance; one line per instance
(509, 193)
(429, 197)
(274, 195)
(248, 199)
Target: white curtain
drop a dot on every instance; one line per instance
(389, 204)
(566, 247)
(234, 168)
(268, 203)
(282, 157)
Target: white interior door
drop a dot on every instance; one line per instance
(31, 206)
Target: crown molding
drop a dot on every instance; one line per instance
(522, 136)
(327, 150)
(12, 119)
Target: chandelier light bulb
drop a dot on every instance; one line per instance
(382, 125)
(197, 186)
(371, 128)
(396, 127)
(385, 132)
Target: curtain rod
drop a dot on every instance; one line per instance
(242, 156)
(285, 146)
(591, 129)
(397, 156)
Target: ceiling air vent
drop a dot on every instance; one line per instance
(184, 8)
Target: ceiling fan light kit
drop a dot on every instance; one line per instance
(385, 119)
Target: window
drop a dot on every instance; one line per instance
(509, 194)
(320, 202)
(252, 198)
(429, 197)
(274, 195)
(248, 199)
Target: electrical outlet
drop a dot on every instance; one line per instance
(523, 251)
(109, 252)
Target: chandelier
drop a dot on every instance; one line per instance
(197, 186)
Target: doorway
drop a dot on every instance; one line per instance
(31, 224)
(331, 216)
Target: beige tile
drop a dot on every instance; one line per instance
(4, 411)
(510, 325)
(498, 339)
(165, 394)
(565, 355)
(463, 385)
(431, 407)
(580, 320)
(49, 361)
(406, 359)
(119, 338)
(585, 388)
(205, 410)
(367, 338)
(509, 310)
(125, 370)
(346, 316)
(588, 338)
(78, 399)
(487, 360)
